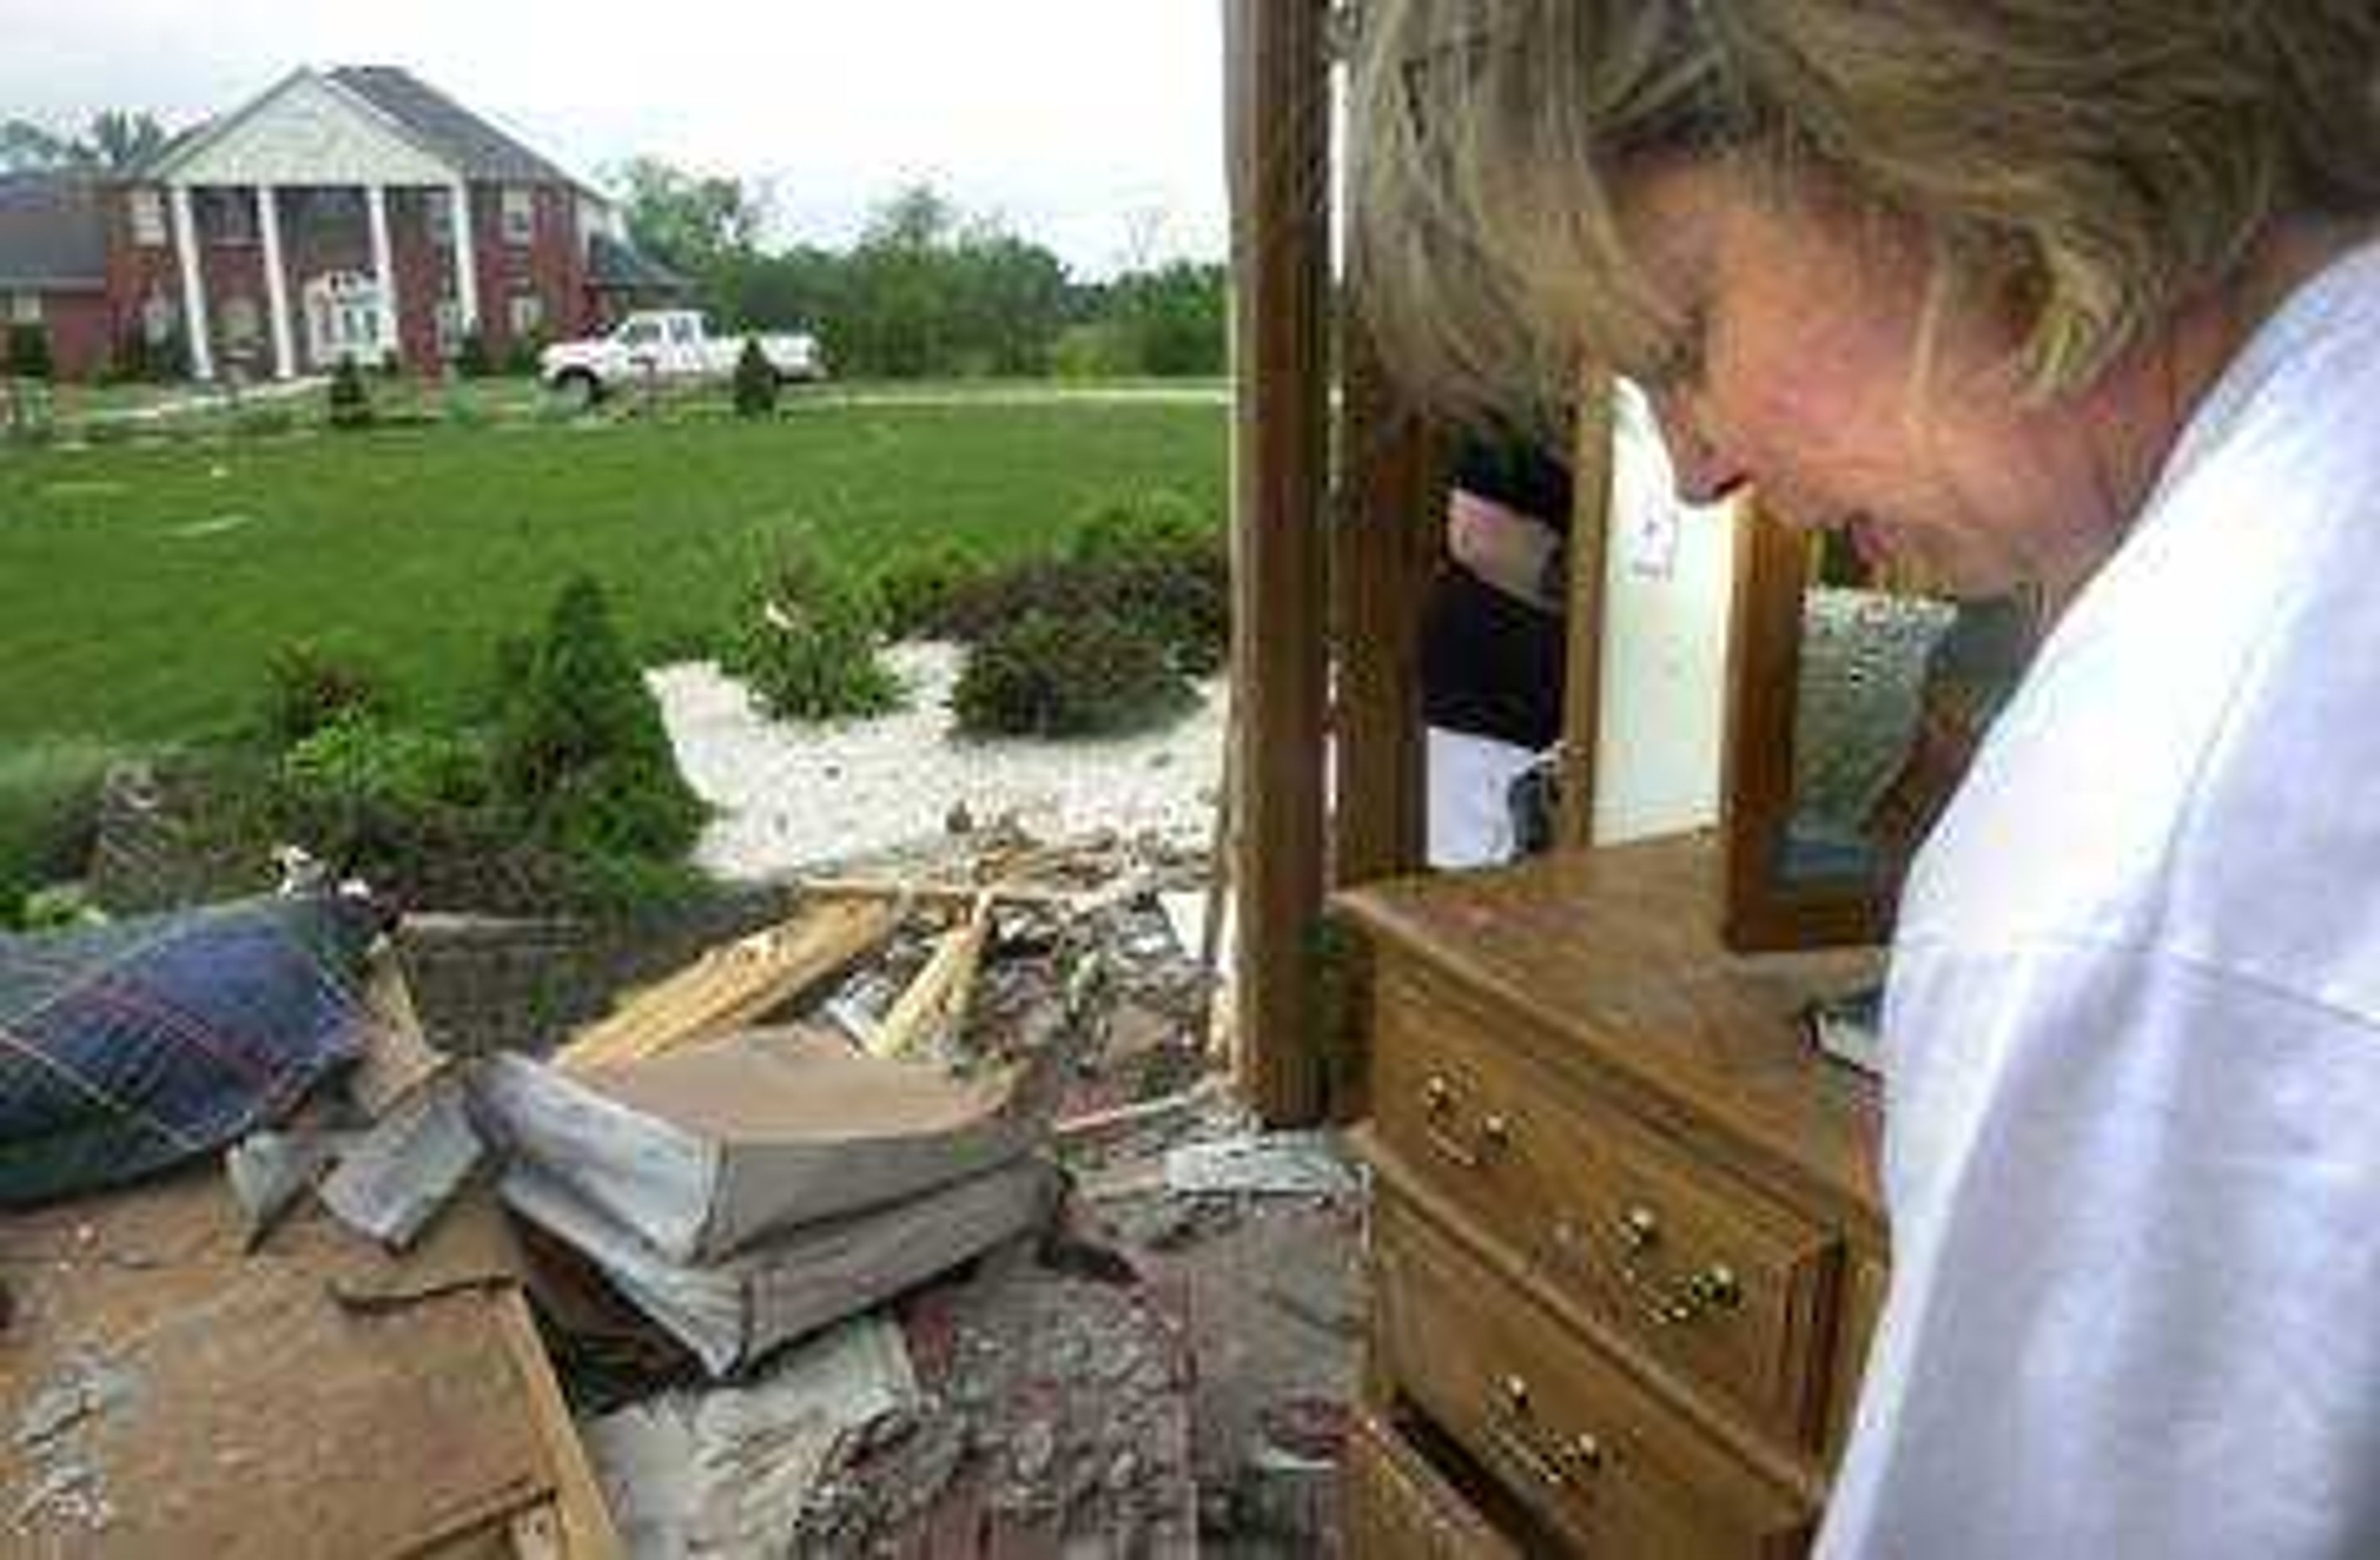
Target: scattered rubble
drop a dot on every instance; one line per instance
(922, 1223)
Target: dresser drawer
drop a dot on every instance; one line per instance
(1717, 1281)
(1398, 1507)
(1570, 1434)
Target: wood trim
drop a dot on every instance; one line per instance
(1758, 914)
(1593, 463)
(1278, 128)
(1383, 561)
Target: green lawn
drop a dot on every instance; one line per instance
(142, 588)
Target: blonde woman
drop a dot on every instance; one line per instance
(2083, 294)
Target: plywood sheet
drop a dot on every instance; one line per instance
(161, 1395)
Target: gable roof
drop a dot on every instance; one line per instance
(614, 266)
(53, 232)
(478, 149)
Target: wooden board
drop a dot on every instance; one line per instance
(1278, 124)
(232, 1405)
(732, 986)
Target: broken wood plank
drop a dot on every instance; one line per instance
(1116, 1120)
(936, 1000)
(732, 986)
(575, 1525)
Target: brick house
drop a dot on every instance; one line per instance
(355, 211)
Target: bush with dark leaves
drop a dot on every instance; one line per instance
(1078, 675)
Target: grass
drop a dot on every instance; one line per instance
(144, 585)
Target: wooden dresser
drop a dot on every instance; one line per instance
(1627, 1243)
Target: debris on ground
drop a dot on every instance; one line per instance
(731, 1469)
(923, 1223)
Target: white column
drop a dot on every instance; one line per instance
(466, 273)
(383, 272)
(194, 292)
(276, 286)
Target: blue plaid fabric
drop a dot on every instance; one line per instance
(128, 1048)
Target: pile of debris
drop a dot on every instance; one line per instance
(877, 1231)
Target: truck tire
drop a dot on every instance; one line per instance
(579, 386)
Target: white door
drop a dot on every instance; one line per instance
(342, 319)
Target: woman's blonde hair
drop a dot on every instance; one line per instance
(2082, 165)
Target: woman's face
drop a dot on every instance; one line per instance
(1796, 374)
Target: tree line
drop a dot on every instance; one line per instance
(926, 290)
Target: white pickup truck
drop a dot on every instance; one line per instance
(673, 346)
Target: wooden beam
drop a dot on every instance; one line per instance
(732, 986)
(1278, 128)
(1383, 558)
(1592, 465)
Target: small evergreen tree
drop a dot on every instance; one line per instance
(28, 352)
(580, 752)
(755, 381)
(350, 401)
(806, 638)
(471, 356)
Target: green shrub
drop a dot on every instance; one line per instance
(28, 355)
(1158, 562)
(309, 687)
(581, 758)
(1153, 562)
(521, 355)
(805, 639)
(49, 813)
(1074, 675)
(916, 593)
(350, 401)
(755, 381)
(472, 360)
(356, 760)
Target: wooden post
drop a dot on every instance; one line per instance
(1593, 461)
(1383, 556)
(1278, 127)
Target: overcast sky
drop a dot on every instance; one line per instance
(1094, 126)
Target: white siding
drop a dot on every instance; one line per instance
(307, 131)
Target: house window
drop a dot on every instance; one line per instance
(25, 308)
(438, 211)
(450, 327)
(228, 216)
(519, 217)
(527, 315)
(148, 219)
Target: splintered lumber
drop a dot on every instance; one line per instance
(936, 1000)
(730, 987)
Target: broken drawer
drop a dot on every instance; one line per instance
(1717, 1281)
(1573, 1435)
(1399, 1507)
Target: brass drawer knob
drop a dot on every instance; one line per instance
(1555, 1461)
(1443, 1129)
(1671, 1300)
